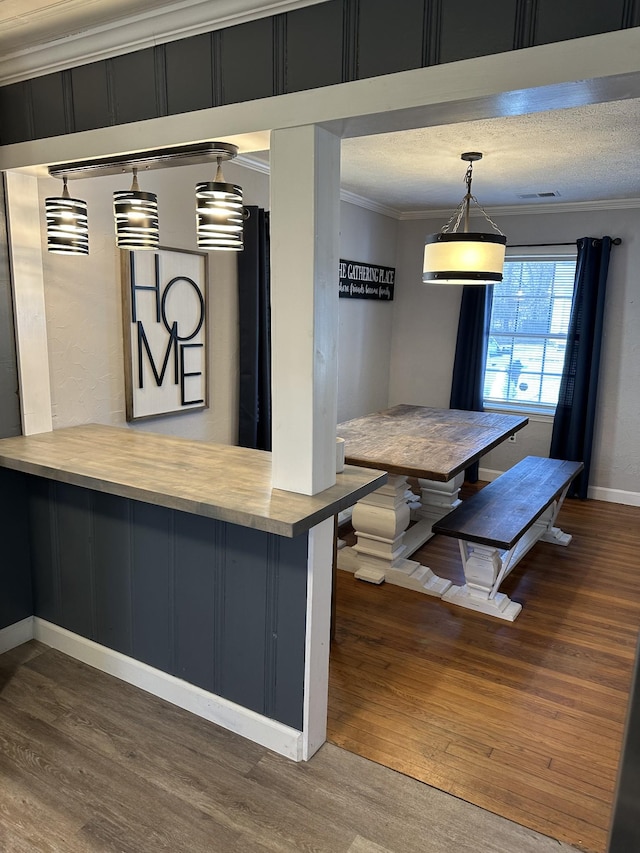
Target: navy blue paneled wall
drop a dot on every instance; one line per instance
(331, 42)
(16, 600)
(220, 606)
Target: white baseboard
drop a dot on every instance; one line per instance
(616, 496)
(488, 474)
(596, 493)
(16, 634)
(268, 733)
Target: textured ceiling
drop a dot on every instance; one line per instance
(584, 154)
(589, 153)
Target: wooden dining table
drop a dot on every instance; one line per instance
(433, 446)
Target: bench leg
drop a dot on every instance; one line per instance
(484, 569)
(554, 534)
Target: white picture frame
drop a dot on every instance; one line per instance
(164, 315)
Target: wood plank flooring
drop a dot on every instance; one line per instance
(89, 764)
(524, 719)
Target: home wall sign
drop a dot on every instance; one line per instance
(165, 331)
(366, 281)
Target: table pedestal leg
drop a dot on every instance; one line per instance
(438, 498)
(380, 521)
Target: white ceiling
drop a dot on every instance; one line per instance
(584, 154)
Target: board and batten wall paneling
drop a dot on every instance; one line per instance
(9, 390)
(390, 39)
(247, 61)
(16, 123)
(559, 21)
(190, 74)
(314, 46)
(90, 96)
(468, 28)
(320, 45)
(16, 601)
(49, 101)
(219, 606)
(137, 88)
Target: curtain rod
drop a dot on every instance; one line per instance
(615, 242)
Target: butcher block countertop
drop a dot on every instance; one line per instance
(231, 484)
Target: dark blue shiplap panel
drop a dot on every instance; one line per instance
(16, 123)
(247, 61)
(390, 38)
(557, 20)
(48, 101)
(152, 557)
(72, 519)
(314, 46)
(16, 601)
(112, 571)
(469, 28)
(242, 658)
(9, 392)
(290, 620)
(45, 557)
(189, 64)
(220, 606)
(90, 92)
(135, 93)
(195, 587)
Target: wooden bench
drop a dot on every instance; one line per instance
(498, 525)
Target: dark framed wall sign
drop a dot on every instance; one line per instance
(360, 280)
(165, 331)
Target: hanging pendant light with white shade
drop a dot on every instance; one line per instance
(464, 257)
(219, 211)
(136, 217)
(67, 224)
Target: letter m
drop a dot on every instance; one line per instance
(173, 344)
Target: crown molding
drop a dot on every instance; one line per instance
(526, 209)
(368, 204)
(345, 195)
(136, 32)
(252, 163)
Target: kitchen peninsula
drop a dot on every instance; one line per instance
(170, 563)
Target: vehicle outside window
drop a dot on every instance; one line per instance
(528, 333)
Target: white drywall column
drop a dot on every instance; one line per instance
(25, 250)
(305, 210)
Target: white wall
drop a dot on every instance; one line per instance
(83, 308)
(364, 338)
(425, 325)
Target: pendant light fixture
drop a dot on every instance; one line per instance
(464, 257)
(219, 212)
(136, 217)
(67, 224)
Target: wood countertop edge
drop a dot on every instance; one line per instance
(323, 505)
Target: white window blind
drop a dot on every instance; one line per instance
(528, 332)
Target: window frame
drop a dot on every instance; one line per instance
(541, 411)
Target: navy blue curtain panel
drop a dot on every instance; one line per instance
(254, 307)
(467, 385)
(572, 436)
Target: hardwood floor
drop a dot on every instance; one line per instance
(89, 764)
(524, 719)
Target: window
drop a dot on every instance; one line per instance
(528, 332)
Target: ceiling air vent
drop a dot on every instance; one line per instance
(549, 194)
